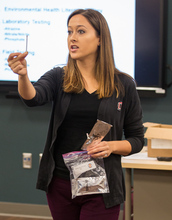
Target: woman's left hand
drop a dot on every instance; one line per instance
(101, 149)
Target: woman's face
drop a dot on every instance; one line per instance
(83, 41)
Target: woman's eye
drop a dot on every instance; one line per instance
(81, 31)
(69, 32)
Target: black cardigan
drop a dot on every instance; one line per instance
(124, 113)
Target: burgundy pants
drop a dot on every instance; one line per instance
(88, 207)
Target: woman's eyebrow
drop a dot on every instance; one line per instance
(78, 26)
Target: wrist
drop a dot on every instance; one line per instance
(113, 147)
(23, 77)
(122, 147)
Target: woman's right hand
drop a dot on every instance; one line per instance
(17, 63)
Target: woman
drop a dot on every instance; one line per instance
(88, 88)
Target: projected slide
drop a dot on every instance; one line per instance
(45, 23)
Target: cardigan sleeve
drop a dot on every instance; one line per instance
(46, 88)
(133, 125)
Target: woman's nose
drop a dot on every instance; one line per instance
(73, 37)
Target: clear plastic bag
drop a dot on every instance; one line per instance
(87, 174)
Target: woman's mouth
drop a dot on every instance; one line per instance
(74, 48)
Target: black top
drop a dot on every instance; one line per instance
(123, 112)
(79, 120)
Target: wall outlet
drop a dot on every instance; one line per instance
(27, 160)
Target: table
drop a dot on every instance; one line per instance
(152, 181)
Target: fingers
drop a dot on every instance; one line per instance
(16, 56)
(101, 150)
(12, 56)
(17, 62)
(17, 67)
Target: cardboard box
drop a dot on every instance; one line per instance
(159, 139)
